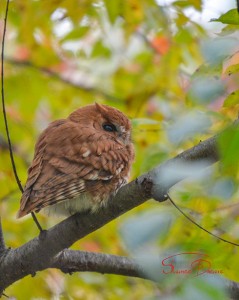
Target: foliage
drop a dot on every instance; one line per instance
(179, 84)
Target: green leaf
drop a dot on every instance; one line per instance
(216, 50)
(76, 33)
(193, 3)
(188, 125)
(232, 99)
(228, 147)
(230, 17)
(113, 9)
(228, 29)
(208, 70)
(100, 50)
(205, 90)
(232, 69)
(223, 188)
(207, 288)
(144, 229)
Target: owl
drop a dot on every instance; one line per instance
(79, 162)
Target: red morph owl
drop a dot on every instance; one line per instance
(79, 162)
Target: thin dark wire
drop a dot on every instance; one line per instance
(36, 222)
(5, 295)
(3, 102)
(5, 115)
(192, 221)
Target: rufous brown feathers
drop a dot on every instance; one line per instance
(78, 163)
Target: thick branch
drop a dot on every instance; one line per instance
(69, 261)
(38, 253)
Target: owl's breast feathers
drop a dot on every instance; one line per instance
(72, 160)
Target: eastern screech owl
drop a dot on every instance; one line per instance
(79, 162)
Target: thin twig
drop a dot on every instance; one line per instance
(36, 222)
(5, 114)
(69, 261)
(51, 73)
(3, 102)
(2, 243)
(199, 226)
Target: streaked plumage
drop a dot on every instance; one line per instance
(78, 163)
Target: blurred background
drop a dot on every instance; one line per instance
(172, 68)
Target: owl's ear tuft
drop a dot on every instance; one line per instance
(100, 108)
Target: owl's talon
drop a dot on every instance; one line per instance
(42, 234)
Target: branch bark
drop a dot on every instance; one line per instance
(69, 261)
(38, 254)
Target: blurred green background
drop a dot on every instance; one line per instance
(175, 74)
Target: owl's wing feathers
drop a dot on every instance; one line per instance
(62, 163)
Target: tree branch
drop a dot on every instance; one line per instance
(55, 75)
(39, 253)
(69, 261)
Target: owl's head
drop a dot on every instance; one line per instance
(106, 120)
